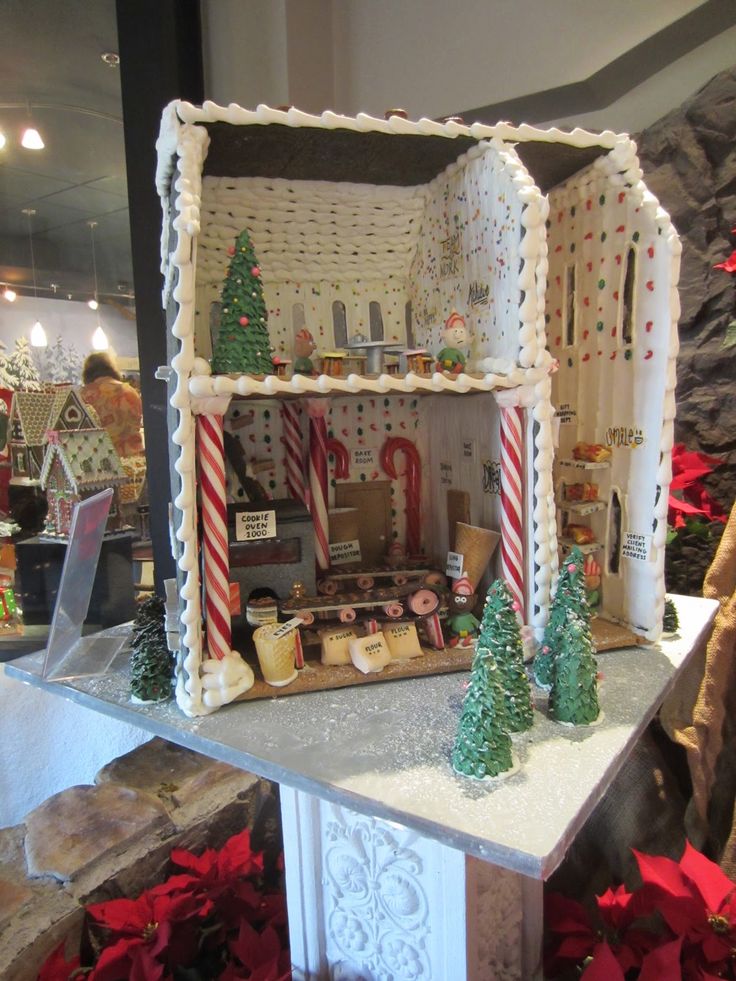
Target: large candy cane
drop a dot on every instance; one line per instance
(512, 502)
(413, 486)
(214, 534)
(317, 410)
(292, 440)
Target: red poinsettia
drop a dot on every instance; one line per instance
(679, 926)
(698, 902)
(729, 265)
(688, 496)
(57, 967)
(150, 935)
(217, 919)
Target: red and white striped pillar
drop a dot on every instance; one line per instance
(317, 411)
(215, 559)
(512, 502)
(294, 459)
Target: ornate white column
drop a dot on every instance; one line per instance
(370, 900)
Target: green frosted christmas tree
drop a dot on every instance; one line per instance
(242, 344)
(482, 745)
(570, 595)
(670, 621)
(151, 663)
(500, 635)
(573, 697)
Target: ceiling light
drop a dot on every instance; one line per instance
(3, 140)
(31, 139)
(99, 339)
(38, 335)
(9, 294)
(111, 59)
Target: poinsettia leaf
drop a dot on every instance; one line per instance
(713, 884)
(729, 265)
(201, 864)
(684, 507)
(563, 915)
(56, 967)
(125, 916)
(663, 963)
(114, 962)
(576, 947)
(145, 967)
(663, 872)
(603, 967)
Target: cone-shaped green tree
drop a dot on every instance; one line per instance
(151, 663)
(242, 342)
(570, 595)
(482, 745)
(670, 621)
(500, 634)
(574, 694)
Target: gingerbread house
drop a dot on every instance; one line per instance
(371, 233)
(32, 415)
(77, 464)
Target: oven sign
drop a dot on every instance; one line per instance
(253, 526)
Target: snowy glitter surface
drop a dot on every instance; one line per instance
(384, 750)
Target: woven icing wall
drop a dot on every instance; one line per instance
(318, 244)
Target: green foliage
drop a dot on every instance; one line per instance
(242, 344)
(670, 621)
(570, 595)
(151, 663)
(574, 687)
(482, 745)
(500, 635)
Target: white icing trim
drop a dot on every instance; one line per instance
(210, 112)
(183, 136)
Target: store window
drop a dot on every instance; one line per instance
(375, 317)
(339, 324)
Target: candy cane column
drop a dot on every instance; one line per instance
(292, 440)
(512, 501)
(317, 410)
(216, 562)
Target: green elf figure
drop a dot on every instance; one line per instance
(455, 335)
(462, 626)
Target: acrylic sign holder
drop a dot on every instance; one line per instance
(68, 655)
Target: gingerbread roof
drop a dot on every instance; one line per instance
(88, 457)
(32, 410)
(69, 411)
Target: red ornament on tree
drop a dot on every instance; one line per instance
(256, 271)
(243, 321)
(231, 250)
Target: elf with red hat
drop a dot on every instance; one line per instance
(455, 335)
(462, 625)
(303, 349)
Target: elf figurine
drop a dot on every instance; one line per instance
(303, 349)
(462, 625)
(451, 359)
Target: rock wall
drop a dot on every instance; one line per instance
(96, 842)
(689, 162)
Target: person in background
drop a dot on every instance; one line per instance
(117, 404)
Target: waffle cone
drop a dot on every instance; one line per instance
(476, 545)
(275, 655)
